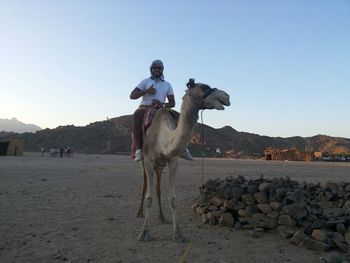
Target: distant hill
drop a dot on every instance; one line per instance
(114, 136)
(14, 125)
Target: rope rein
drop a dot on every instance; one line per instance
(202, 135)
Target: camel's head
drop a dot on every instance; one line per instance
(206, 97)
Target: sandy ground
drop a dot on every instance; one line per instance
(83, 209)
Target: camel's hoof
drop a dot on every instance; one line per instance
(180, 238)
(162, 220)
(140, 215)
(145, 236)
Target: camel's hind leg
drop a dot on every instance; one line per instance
(145, 235)
(161, 217)
(144, 188)
(172, 198)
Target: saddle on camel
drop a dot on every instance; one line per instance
(150, 112)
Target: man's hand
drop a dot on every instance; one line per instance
(151, 90)
(137, 93)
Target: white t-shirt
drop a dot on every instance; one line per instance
(163, 88)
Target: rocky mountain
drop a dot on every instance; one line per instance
(114, 136)
(14, 125)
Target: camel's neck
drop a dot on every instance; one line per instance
(183, 133)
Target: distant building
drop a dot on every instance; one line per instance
(336, 157)
(12, 147)
(287, 154)
(318, 156)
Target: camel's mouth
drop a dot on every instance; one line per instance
(225, 100)
(226, 103)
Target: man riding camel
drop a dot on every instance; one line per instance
(153, 90)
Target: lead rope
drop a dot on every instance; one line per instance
(189, 246)
(202, 153)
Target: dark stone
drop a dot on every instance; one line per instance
(338, 236)
(261, 198)
(260, 220)
(346, 204)
(325, 204)
(229, 204)
(343, 246)
(226, 219)
(286, 231)
(298, 237)
(210, 184)
(217, 201)
(239, 205)
(280, 194)
(264, 187)
(295, 210)
(236, 193)
(286, 220)
(251, 209)
(252, 188)
(213, 208)
(311, 218)
(204, 219)
(248, 199)
(312, 244)
(341, 228)
(202, 209)
(228, 194)
(223, 208)
(264, 208)
(243, 220)
(273, 214)
(333, 222)
(347, 188)
(211, 219)
(334, 212)
(240, 179)
(276, 206)
(317, 224)
(317, 212)
(243, 213)
(347, 236)
(296, 196)
(307, 226)
(203, 201)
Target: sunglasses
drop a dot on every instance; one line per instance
(159, 68)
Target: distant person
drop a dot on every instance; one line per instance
(42, 150)
(68, 151)
(61, 152)
(153, 90)
(52, 152)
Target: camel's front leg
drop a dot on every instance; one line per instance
(161, 216)
(144, 188)
(145, 235)
(172, 199)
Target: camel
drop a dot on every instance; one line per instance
(165, 141)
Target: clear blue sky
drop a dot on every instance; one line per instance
(285, 64)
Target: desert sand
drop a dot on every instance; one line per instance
(83, 209)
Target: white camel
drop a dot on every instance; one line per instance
(165, 141)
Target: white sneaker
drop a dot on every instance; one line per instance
(138, 155)
(187, 155)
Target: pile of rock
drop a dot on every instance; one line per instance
(310, 215)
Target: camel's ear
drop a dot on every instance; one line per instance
(190, 83)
